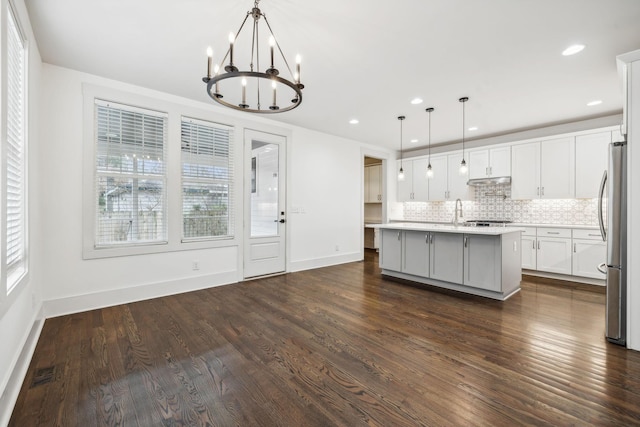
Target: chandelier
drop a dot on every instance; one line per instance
(254, 90)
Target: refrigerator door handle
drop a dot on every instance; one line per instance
(602, 268)
(603, 185)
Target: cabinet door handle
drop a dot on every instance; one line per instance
(431, 239)
(534, 244)
(426, 239)
(574, 248)
(486, 171)
(538, 191)
(466, 239)
(543, 191)
(538, 244)
(490, 170)
(398, 235)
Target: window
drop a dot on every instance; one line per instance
(15, 178)
(130, 175)
(207, 175)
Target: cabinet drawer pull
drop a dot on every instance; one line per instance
(594, 235)
(553, 232)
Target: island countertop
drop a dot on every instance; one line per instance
(444, 228)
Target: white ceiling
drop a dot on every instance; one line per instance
(367, 59)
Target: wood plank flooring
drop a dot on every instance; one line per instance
(334, 346)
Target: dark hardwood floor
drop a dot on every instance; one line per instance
(334, 346)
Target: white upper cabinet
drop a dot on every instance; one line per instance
(405, 188)
(373, 184)
(491, 162)
(557, 168)
(543, 169)
(525, 171)
(591, 162)
(457, 184)
(420, 182)
(447, 183)
(438, 183)
(414, 188)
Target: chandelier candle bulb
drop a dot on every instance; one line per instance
(298, 60)
(231, 40)
(209, 61)
(244, 93)
(272, 43)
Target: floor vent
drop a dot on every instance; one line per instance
(43, 376)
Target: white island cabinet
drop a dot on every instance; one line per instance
(480, 261)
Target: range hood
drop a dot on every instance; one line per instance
(498, 180)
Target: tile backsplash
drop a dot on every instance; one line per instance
(494, 202)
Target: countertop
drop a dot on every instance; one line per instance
(513, 224)
(442, 228)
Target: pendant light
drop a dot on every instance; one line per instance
(463, 163)
(429, 169)
(401, 171)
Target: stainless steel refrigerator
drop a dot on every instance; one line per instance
(612, 215)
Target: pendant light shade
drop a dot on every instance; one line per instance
(429, 168)
(401, 171)
(463, 163)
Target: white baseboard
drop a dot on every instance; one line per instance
(79, 303)
(12, 389)
(309, 264)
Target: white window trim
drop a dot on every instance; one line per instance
(13, 280)
(233, 191)
(176, 111)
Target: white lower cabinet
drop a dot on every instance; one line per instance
(446, 257)
(554, 254)
(575, 252)
(588, 252)
(529, 248)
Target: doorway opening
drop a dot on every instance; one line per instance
(374, 198)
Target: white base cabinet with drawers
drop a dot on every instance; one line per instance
(565, 251)
(485, 265)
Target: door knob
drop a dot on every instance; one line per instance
(282, 221)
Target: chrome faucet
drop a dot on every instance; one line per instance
(457, 217)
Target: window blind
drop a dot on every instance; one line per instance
(130, 175)
(207, 179)
(15, 157)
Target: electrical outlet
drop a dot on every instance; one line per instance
(195, 265)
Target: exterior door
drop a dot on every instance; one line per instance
(265, 219)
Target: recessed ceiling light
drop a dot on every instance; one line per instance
(572, 50)
(414, 141)
(416, 101)
(472, 128)
(593, 103)
(354, 121)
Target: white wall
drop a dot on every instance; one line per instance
(20, 318)
(324, 179)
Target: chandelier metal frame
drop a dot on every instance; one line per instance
(271, 74)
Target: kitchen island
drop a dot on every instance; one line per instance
(483, 261)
